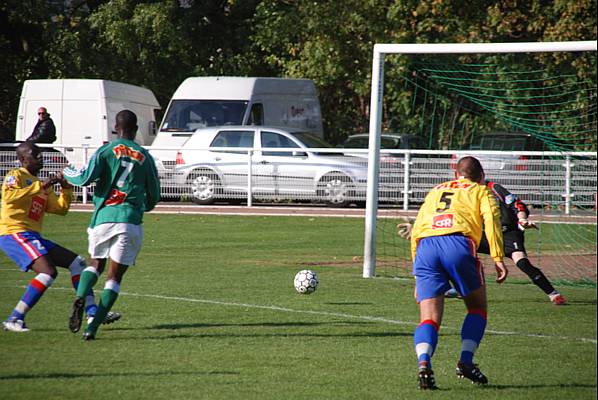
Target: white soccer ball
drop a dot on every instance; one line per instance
(306, 281)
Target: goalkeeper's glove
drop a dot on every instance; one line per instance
(404, 229)
(525, 223)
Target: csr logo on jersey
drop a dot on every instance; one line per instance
(442, 221)
(38, 205)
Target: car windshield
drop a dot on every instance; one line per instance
(509, 143)
(312, 141)
(189, 115)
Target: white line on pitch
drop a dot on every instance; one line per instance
(333, 314)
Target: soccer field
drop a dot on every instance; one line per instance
(210, 312)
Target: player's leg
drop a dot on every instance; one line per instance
(28, 251)
(425, 339)
(123, 250)
(65, 258)
(99, 249)
(87, 280)
(108, 297)
(430, 285)
(537, 277)
(515, 249)
(472, 332)
(467, 274)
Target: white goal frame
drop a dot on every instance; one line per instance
(380, 50)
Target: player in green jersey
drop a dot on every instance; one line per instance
(126, 186)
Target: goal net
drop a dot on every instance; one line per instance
(526, 110)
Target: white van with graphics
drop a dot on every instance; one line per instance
(201, 102)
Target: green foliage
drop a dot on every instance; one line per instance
(157, 44)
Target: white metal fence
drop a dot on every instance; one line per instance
(559, 180)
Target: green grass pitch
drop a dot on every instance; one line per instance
(210, 312)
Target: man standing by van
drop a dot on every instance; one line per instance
(44, 131)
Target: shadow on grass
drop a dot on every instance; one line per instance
(273, 335)
(258, 324)
(538, 386)
(71, 375)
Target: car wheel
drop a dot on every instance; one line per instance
(204, 186)
(336, 190)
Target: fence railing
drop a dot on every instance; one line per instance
(339, 176)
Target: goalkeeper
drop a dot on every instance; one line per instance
(514, 221)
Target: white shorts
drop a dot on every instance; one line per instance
(121, 242)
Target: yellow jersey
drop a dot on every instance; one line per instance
(25, 202)
(460, 206)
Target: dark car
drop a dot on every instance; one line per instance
(506, 143)
(388, 141)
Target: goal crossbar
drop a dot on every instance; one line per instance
(380, 49)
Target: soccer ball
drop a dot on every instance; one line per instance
(306, 281)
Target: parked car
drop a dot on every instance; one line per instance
(293, 165)
(391, 164)
(388, 141)
(506, 143)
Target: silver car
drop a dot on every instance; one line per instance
(222, 162)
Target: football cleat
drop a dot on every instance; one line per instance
(558, 300)
(425, 378)
(89, 336)
(471, 372)
(110, 318)
(15, 325)
(452, 294)
(77, 314)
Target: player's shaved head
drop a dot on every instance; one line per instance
(26, 148)
(29, 155)
(126, 123)
(470, 168)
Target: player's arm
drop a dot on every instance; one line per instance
(152, 195)
(60, 204)
(86, 175)
(492, 226)
(417, 225)
(14, 187)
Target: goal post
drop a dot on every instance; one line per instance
(377, 91)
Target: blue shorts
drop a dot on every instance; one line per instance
(25, 247)
(440, 259)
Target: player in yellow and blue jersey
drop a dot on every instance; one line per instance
(444, 239)
(25, 201)
(127, 185)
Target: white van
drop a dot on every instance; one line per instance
(84, 110)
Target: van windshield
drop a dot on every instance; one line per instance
(189, 115)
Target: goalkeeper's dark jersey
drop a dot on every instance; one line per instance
(509, 204)
(126, 180)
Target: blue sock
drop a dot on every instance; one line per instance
(472, 332)
(425, 339)
(33, 292)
